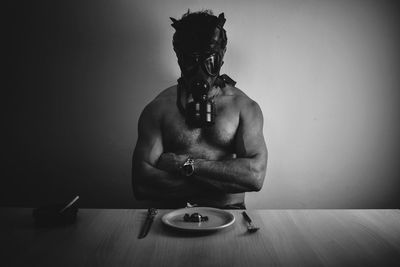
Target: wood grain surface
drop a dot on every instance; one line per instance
(286, 238)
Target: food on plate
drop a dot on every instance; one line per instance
(195, 217)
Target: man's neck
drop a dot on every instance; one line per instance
(213, 93)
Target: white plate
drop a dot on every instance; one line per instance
(217, 219)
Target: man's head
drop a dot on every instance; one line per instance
(200, 44)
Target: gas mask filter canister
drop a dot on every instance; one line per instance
(201, 111)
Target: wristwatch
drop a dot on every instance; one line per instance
(188, 167)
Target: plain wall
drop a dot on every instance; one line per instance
(325, 73)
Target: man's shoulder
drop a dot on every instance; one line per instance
(167, 94)
(239, 98)
(160, 103)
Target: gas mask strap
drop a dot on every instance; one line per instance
(223, 80)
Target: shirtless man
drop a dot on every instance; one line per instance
(200, 141)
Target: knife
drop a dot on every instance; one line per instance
(151, 213)
(251, 228)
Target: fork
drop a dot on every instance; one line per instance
(251, 228)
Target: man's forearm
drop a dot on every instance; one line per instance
(153, 183)
(233, 175)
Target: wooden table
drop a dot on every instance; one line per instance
(286, 238)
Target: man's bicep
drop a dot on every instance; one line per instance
(250, 141)
(149, 145)
(148, 149)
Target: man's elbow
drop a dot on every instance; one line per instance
(138, 194)
(258, 176)
(141, 189)
(257, 181)
(138, 191)
(141, 193)
(138, 187)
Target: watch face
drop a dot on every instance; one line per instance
(188, 170)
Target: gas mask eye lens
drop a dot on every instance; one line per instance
(211, 64)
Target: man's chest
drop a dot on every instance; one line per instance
(179, 137)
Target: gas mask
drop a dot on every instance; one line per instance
(199, 73)
(200, 64)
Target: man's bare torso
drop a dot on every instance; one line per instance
(215, 143)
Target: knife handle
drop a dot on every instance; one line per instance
(152, 212)
(246, 217)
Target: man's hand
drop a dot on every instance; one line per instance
(171, 162)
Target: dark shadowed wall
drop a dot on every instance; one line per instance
(325, 73)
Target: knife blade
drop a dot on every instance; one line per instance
(151, 213)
